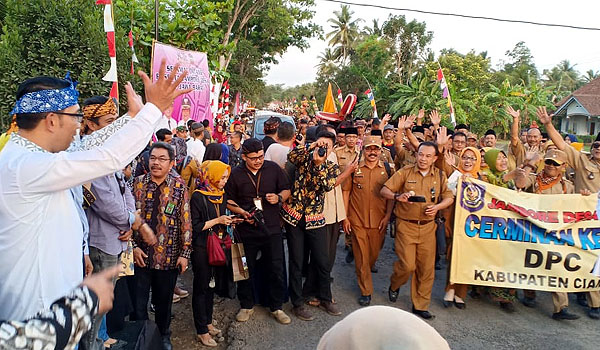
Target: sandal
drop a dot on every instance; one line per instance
(314, 302)
(215, 332)
(210, 342)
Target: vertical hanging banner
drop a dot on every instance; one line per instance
(194, 105)
(527, 241)
(446, 93)
(109, 28)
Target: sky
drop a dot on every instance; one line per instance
(548, 45)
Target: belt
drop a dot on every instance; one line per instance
(418, 222)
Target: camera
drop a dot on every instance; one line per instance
(322, 151)
(257, 215)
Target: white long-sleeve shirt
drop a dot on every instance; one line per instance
(40, 229)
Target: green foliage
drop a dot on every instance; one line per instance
(44, 37)
(344, 32)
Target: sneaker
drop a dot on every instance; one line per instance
(564, 314)
(166, 342)
(364, 300)
(244, 315)
(349, 256)
(393, 294)
(529, 302)
(330, 308)
(182, 293)
(302, 313)
(281, 317)
(582, 299)
(176, 298)
(594, 313)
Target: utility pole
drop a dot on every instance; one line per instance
(156, 7)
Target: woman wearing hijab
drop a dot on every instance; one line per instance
(497, 174)
(219, 134)
(207, 205)
(469, 161)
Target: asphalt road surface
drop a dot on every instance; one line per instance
(482, 325)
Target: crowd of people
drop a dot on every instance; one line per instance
(84, 191)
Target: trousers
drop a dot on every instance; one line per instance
(271, 250)
(366, 244)
(202, 294)
(310, 284)
(415, 247)
(316, 240)
(163, 284)
(101, 261)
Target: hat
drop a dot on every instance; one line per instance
(375, 121)
(351, 131)
(185, 103)
(197, 125)
(360, 122)
(388, 127)
(418, 128)
(181, 128)
(376, 132)
(252, 145)
(471, 135)
(237, 122)
(490, 132)
(372, 141)
(556, 155)
(462, 126)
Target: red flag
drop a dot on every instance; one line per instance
(440, 74)
(103, 2)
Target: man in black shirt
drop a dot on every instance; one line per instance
(261, 184)
(270, 129)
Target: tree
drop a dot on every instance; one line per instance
(44, 37)
(409, 41)
(520, 68)
(563, 78)
(327, 63)
(345, 31)
(590, 75)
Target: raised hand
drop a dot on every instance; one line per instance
(543, 116)
(386, 118)
(442, 137)
(511, 111)
(134, 101)
(421, 114)
(162, 92)
(450, 158)
(435, 117)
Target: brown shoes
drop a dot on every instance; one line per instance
(330, 308)
(302, 313)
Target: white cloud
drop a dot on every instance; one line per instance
(548, 45)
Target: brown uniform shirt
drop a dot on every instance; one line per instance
(587, 172)
(561, 187)
(366, 207)
(386, 156)
(410, 179)
(404, 158)
(516, 155)
(345, 156)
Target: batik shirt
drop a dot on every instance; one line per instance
(171, 213)
(308, 192)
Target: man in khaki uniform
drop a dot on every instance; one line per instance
(368, 214)
(517, 149)
(346, 155)
(415, 241)
(549, 181)
(587, 177)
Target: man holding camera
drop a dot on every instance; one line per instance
(315, 176)
(255, 190)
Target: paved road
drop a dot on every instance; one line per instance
(482, 325)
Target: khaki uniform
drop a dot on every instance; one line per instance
(587, 176)
(334, 212)
(559, 299)
(346, 156)
(415, 241)
(386, 156)
(404, 158)
(366, 209)
(516, 156)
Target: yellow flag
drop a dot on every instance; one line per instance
(329, 105)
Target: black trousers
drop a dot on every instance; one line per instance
(310, 284)
(271, 250)
(202, 295)
(316, 240)
(163, 285)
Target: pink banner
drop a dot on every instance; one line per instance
(196, 104)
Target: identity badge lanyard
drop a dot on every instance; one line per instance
(257, 200)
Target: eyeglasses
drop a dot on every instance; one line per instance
(472, 159)
(255, 159)
(159, 159)
(78, 116)
(551, 162)
(596, 145)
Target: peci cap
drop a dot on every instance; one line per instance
(556, 155)
(252, 145)
(490, 132)
(372, 141)
(351, 131)
(360, 122)
(376, 132)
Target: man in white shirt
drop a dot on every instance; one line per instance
(40, 230)
(278, 152)
(167, 121)
(195, 145)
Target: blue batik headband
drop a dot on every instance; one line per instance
(48, 100)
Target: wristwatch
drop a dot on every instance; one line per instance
(280, 198)
(396, 196)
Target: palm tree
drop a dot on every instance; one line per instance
(564, 78)
(327, 62)
(345, 31)
(590, 75)
(375, 28)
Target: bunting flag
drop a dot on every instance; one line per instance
(446, 93)
(371, 97)
(133, 56)
(329, 105)
(340, 97)
(109, 28)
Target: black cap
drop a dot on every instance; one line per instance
(311, 134)
(375, 121)
(490, 132)
(450, 132)
(376, 132)
(418, 128)
(197, 125)
(462, 126)
(251, 145)
(351, 131)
